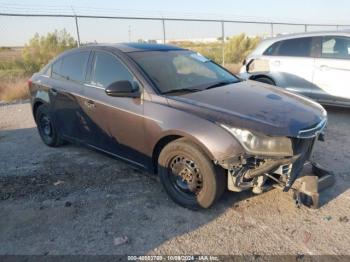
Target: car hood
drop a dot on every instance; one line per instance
(254, 106)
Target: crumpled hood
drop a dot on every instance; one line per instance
(255, 106)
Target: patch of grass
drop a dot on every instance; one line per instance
(233, 68)
(10, 54)
(9, 75)
(16, 89)
(236, 48)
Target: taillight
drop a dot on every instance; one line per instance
(30, 83)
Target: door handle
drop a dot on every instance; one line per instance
(276, 63)
(324, 68)
(89, 104)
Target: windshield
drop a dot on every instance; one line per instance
(181, 71)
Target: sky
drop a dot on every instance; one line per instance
(18, 30)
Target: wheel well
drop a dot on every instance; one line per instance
(35, 108)
(158, 148)
(254, 77)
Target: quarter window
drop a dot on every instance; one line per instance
(272, 50)
(336, 47)
(107, 70)
(47, 70)
(74, 66)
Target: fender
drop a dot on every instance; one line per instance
(215, 141)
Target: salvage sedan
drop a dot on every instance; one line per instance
(177, 114)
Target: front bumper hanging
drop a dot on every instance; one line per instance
(307, 187)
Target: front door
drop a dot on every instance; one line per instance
(115, 124)
(332, 70)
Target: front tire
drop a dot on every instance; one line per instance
(189, 176)
(46, 127)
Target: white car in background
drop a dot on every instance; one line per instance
(316, 65)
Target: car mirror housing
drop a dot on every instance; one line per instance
(123, 89)
(257, 65)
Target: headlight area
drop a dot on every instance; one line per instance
(266, 158)
(260, 144)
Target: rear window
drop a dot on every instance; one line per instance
(74, 66)
(299, 47)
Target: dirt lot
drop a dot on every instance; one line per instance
(70, 200)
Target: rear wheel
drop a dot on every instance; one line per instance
(265, 80)
(189, 176)
(46, 128)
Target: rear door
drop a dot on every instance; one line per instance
(68, 76)
(332, 70)
(115, 124)
(291, 63)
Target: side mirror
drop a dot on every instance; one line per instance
(123, 89)
(258, 66)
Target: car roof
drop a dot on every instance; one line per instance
(309, 34)
(269, 41)
(136, 47)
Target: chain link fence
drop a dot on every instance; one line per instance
(17, 29)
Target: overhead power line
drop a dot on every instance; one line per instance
(49, 8)
(168, 19)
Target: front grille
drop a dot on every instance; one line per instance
(303, 148)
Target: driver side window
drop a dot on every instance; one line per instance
(107, 69)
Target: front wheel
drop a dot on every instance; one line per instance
(189, 176)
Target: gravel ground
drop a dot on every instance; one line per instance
(71, 200)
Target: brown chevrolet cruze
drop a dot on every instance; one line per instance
(178, 114)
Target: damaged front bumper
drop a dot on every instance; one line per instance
(292, 172)
(307, 187)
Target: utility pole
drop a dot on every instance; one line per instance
(163, 23)
(77, 27)
(223, 42)
(76, 24)
(272, 31)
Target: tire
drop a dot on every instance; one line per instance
(46, 127)
(205, 183)
(265, 80)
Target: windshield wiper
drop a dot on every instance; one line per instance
(182, 90)
(221, 83)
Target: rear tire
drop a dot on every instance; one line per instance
(46, 127)
(189, 176)
(265, 80)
